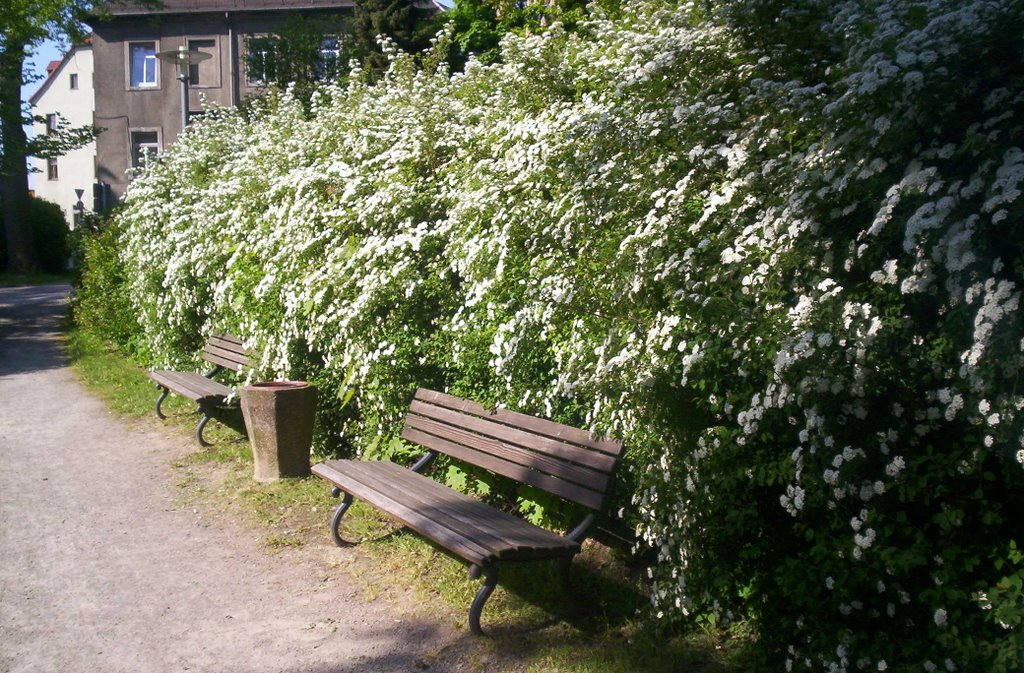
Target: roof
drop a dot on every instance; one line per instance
(130, 8)
(202, 6)
(54, 67)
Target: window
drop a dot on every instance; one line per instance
(51, 169)
(142, 65)
(273, 59)
(145, 145)
(73, 80)
(205, 73)
(51, 123)
(330, 53)
(259, 60)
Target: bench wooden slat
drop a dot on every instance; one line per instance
(218, 358)
(449, 534)
(197, 383)
(228, 348)
(596, 481)
(385, 502)
(559, 487)
(449, 508)
(557, 449)
(514, 534)
(490, 426)
(458, 520)
(172, 383)
(229, 341)
(193, 386)
(540, 426)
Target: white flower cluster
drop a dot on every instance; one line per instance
(782, 292)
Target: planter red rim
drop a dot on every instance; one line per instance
(279, 385)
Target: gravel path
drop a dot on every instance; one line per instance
(103, 569)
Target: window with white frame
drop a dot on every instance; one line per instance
(145, 144)
(52, 123)
(51, 168)
(73, 80)
(143, 70)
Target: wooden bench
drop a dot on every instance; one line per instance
(224, 352)
(565, 461)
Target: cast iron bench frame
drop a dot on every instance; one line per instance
(224, 351)
(565, 461)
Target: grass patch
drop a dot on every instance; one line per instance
(538, 627)
(129, 392)
(123, 385)
(18, 279)
(278, 542)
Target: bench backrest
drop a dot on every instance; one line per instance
(227, 351)
(560, 459)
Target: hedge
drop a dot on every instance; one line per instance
(772, 245)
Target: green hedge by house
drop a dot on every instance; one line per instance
(50, 236)
(102, 302)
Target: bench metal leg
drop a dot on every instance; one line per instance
(346, 502)
(160, 400)
(202, 425)
(490, 574)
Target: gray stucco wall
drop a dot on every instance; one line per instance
(120, 108)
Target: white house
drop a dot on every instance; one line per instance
(68, 90)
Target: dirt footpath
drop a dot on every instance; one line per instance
(103, 569)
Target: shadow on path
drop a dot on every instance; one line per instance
(30, 328)
(106, 564)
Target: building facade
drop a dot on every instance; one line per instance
(139, 97)
(67, 90)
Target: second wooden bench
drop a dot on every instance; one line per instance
(224, 352)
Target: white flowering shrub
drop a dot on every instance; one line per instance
(772, 245)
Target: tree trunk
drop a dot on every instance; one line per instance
(13, 167)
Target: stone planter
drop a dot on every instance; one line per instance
(279, 419)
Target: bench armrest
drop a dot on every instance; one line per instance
(213, 372)
(577, 533)
(424, 462)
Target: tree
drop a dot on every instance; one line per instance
(480, 24)
(26, 24)
(398, 20)
(477, 29)
(300, 52)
